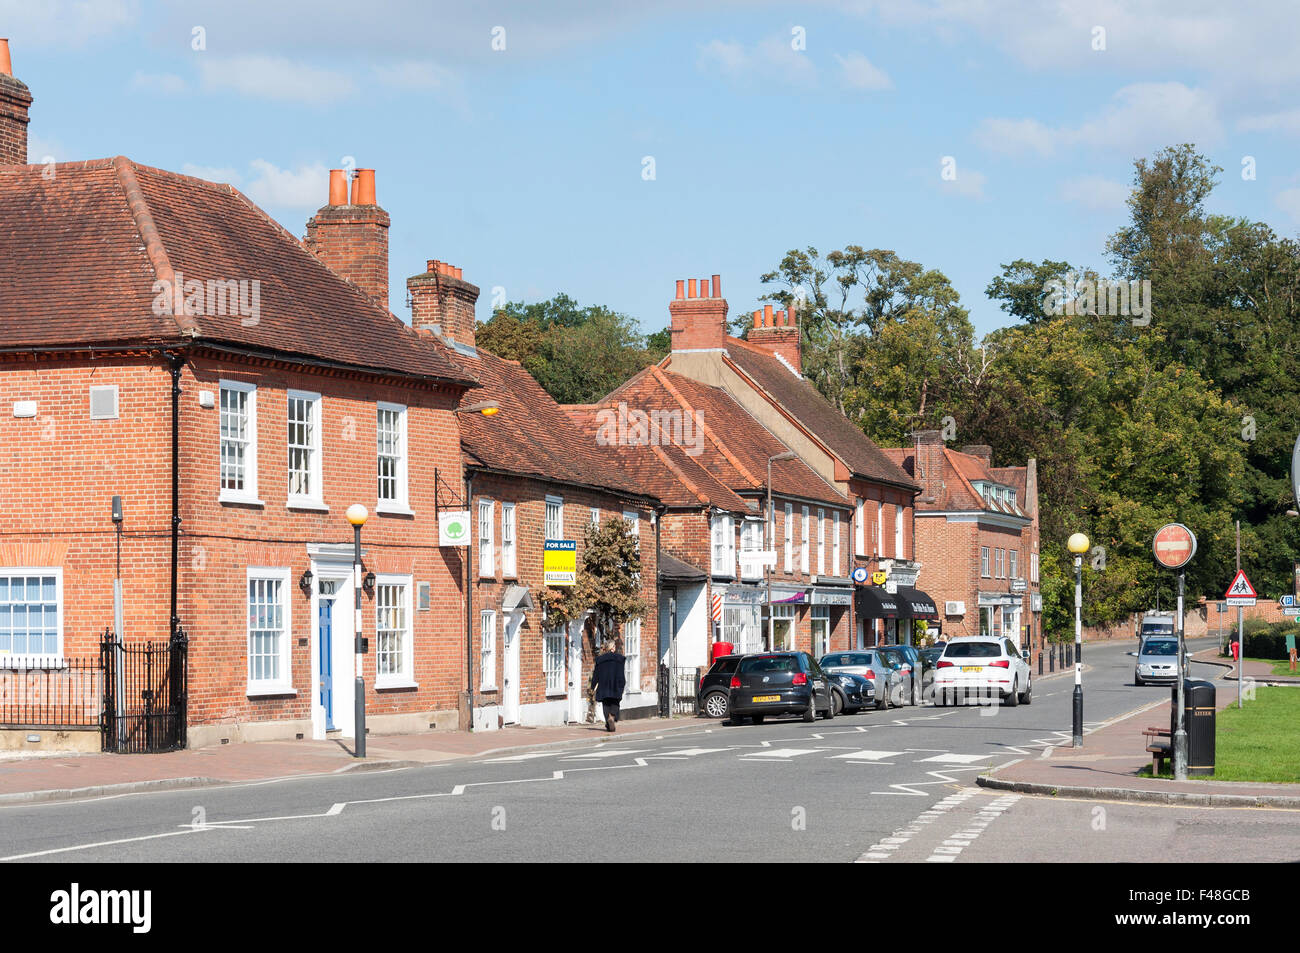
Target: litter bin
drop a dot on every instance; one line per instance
(1199, 709)
(720, 649)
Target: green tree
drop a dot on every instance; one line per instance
(607, 591)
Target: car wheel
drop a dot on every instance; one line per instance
(715, 705)
(1137, 681)
(1028, 696)
(1013, 698)
(758, 719)
(836, 704)
(811, 713)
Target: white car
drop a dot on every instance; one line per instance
(982, 667)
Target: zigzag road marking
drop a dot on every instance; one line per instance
(909, 789)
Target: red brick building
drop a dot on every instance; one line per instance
(762, 374)
(157, 328)
(532, 475)
(977, 536)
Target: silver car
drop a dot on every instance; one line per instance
(872, 665)
(1157, 662)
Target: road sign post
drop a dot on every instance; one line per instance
(1174, 546)
(1240, 594)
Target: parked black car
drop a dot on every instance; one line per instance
(715, 685)
(779, 683)
(852, 692)
(910, 660)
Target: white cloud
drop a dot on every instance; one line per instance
(1095, 192)
(305, 187)
(771, 60)
(166, 83)
(1286, 122)
(62, 23)
(858, 72)
(212, 173)
(1288, 200)
(1140, 116)
(1015, 136)
(274, 77)
(415, 74)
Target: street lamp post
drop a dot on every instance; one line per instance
(1078, 544)
(357, 515)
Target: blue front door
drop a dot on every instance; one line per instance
(326, 628)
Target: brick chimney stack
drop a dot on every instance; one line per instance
(350, 235)
(443, 302)
(698, 315)
(983, 451)
(15, 99)
(928, 470)
(779, 333)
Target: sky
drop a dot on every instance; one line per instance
(606, 150)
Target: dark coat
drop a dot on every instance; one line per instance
(608, 677)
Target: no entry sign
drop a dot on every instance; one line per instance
(1174, 545)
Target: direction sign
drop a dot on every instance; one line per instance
(1240, 591)
(1174, 545)
(1294, 611)
(1287, 601)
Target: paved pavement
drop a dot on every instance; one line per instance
(1107, 765)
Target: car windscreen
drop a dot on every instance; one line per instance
(1163, 647)
(851, 658)
(973, 650)
(769, 663)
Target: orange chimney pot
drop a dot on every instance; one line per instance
(681, 293)
(6, 65)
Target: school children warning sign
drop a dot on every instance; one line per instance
(1240, 591)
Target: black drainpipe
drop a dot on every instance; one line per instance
(469, 602)
(177, 362)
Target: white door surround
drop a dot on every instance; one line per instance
(510, 667)
(332, 564)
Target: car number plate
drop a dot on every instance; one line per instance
(767, 698)
(972, 668)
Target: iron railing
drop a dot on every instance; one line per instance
(145, 696)
(40, 692)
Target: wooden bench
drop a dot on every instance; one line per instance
(1161, 750)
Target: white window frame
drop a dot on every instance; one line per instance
(487, 640)
(314, 499)
(632, 663)
(283, 685)
(751, 541)
(400, 505)
(634, 520)
(56, 658)
(821, 541)
(249, 492)
(804, 542)
(998, 562)
(985, 562)
(554, 676)
(835, 543)
(1013, 563)
(1033, 567)
(880, 527)
(405, 678)
(509, 546)
(553, 529)
(722, 545)
(789, 537)
(859, 529)
(485, 515)
(595, 516)
(898, 532)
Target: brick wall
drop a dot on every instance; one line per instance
(14, 102)
(353, 241)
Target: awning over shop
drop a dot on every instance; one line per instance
(874, 602)
(915, 604)
(517, 598)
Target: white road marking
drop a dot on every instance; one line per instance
(865, 755)
(779, 753)
(524, 757)
(687, 752)
(955, 758)
(604, 754)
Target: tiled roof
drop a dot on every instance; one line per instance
(532, 435)
(735, 447)
(802, 400)
(83, 243)
(961, 470)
